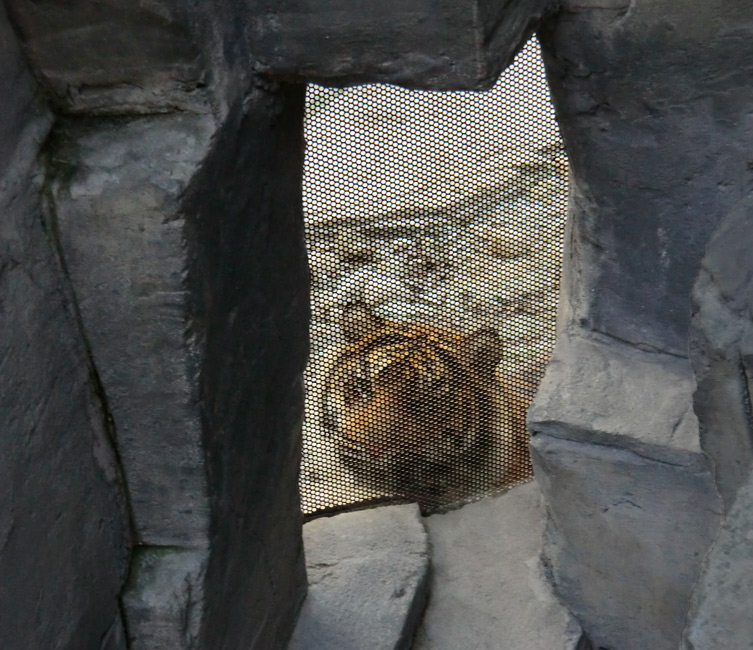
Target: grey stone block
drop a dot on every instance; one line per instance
(164, 599)
(368, 575)
(487, 591)
(116, 205)
(115, 57)
(64, 537)
(658, 145)
(603, 391)
(418, 43)
(722, 354)
(625, 539)
(172, 232)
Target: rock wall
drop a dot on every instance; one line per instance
(154, 287)
(64, 529)
(656, 152)
(171, 228)
(154, 294)
(658, 141)
(722, 354)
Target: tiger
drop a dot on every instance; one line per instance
(416, 410)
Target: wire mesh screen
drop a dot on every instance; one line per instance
(434, 225)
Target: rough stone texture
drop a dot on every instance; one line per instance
(721, 346)
(625, 538)
(418, 43)
(249, 310)
(719, 616)
(116, 203)
(487, 591)
(722, 355)
(658, 143)
(654, 102)
(63, 521)
(616, 450)
(606, 392)
(368, 577)
(114, 57)
(167, 56)
(161, 601)
(172, 232)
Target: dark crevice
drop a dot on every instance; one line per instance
(642, 347)
(746, 397)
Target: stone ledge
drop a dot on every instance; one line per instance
(368, 575)
(606, 392)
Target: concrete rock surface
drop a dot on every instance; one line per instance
(487, 591)
(64, 535)
(625, 539)
(722, 355)
(658, 142)
(368, 580)
(720, 617)
(436, 44)
(123, 243)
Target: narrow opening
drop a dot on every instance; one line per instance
(434, 226)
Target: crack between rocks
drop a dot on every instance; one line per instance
(676, 425)
(746, 397)
(564, 434)
(642, 347)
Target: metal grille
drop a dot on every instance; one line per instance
(434, 225)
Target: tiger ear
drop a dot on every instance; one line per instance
(357, 321)
(483, 350)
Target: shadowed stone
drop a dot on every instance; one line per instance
(64, 535)
(442, 45)
(170, 228)
(116, 204)
(722, 354)
(113, 57)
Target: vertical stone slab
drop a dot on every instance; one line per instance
(658, 142)
(184, 243)
(248, 282)
(116, 205)
(116, 208)
(64, 538)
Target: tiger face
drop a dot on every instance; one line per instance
(408, 404)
